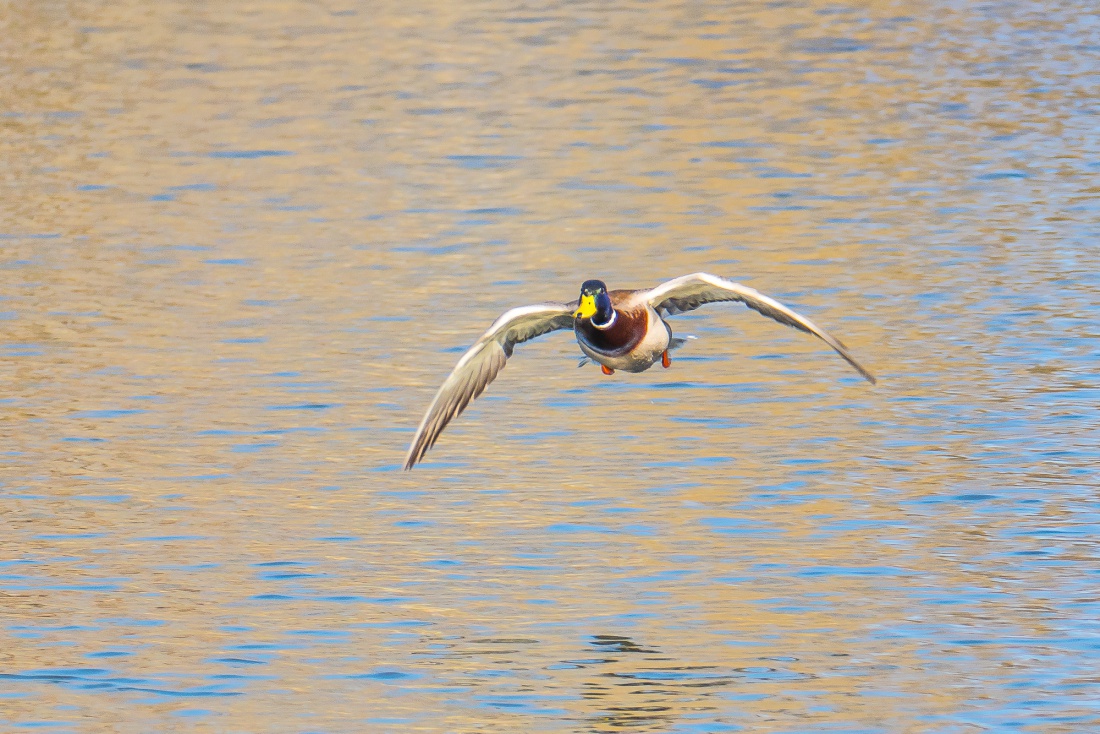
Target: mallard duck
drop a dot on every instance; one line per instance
(619, 330)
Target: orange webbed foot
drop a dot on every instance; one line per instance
(607, 370)
(666, 361)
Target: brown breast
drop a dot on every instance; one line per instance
(625, 334)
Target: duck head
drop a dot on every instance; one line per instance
(595, 304)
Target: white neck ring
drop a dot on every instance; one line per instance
(610, 321)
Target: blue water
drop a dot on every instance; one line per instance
(243, 246)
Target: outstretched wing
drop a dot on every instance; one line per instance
(481, 364)
(689, 292)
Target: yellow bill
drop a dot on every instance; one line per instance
(587, 309)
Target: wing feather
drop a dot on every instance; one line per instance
(480, 365)
(689, 292)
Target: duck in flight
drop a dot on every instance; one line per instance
(619, 330)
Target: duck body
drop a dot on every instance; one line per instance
(635, 339)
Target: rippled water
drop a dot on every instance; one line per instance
(242, 244)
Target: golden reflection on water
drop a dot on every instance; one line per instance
(243, 243)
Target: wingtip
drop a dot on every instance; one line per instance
(412, 456)
(863, 371)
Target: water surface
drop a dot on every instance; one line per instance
(242, 244)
